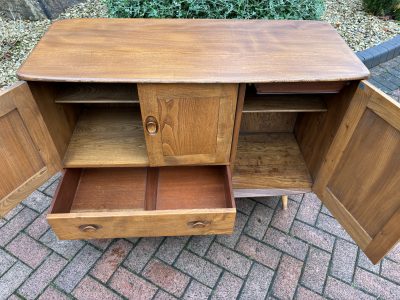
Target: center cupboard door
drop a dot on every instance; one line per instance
(188, 123)
(359, 181)
(28, 156)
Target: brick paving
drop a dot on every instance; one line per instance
(301, 253)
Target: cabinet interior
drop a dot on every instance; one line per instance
(102, 127)
(273, 138)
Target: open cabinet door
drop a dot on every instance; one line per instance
(359, 181)
(28, 156)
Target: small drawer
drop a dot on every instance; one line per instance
(328, 87)
(142, 202)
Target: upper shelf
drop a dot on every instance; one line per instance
(191, 51)
(96, 93)
(284, 103)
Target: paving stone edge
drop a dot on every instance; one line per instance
(381, 53)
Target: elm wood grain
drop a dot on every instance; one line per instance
(284, 103)
(74, 92)
(28, 155)
(238, 120)
(191, 51)
(193, 122)
(60, 119)
(270, 161)
(314, 132)
(363, 161)
(125, 220)
(300, 87)
(107, 137)
(268, 122)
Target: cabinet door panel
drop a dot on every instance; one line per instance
(188, 123)
(28, 156)
(360, 179)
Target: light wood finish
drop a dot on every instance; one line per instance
(107, 137)
(85, 215)
(315, 132)
(192, 51)
(75, 92)
(193, 123)
(270, 161)
(284, 103)
(267, 192)
(28, 156)
(300, 87)
(238, 120)
(268, 122)
(359, 180)
(284, 202)
(60, 119)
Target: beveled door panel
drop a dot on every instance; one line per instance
(28, 156)
(188, 123)
(360, 179)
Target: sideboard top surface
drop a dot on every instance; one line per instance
(195, 51)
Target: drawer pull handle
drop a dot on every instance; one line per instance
(89, 228)
(151, 125)
(198, 224)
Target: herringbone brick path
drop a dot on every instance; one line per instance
(301, 253)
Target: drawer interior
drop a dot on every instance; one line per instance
(91, 190)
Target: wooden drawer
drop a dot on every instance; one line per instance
(128, 202)
(328, 87)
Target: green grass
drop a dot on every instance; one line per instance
(217, 9)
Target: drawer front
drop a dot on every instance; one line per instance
(300, 87)
(142, 224)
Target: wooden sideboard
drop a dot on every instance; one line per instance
(159, 124)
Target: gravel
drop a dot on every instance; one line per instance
(359, 29)
(18, 37)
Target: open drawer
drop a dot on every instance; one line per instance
(128, 202)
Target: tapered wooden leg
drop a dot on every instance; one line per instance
(284, 201)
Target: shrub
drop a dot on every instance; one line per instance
(382, 7)
(217, 9)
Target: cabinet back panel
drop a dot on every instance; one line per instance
(365, 155)
(268, 122)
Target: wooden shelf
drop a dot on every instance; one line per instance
(107, 138)
(96, 93)
(270, 161)
(284, 103)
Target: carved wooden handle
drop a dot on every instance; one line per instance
(89, 227)
(198, 224)
(151, 125)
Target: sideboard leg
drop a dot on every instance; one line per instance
(284, 201)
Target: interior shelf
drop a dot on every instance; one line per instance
(270, 161)
(284, 103)
(105, 137)
(96, 93)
